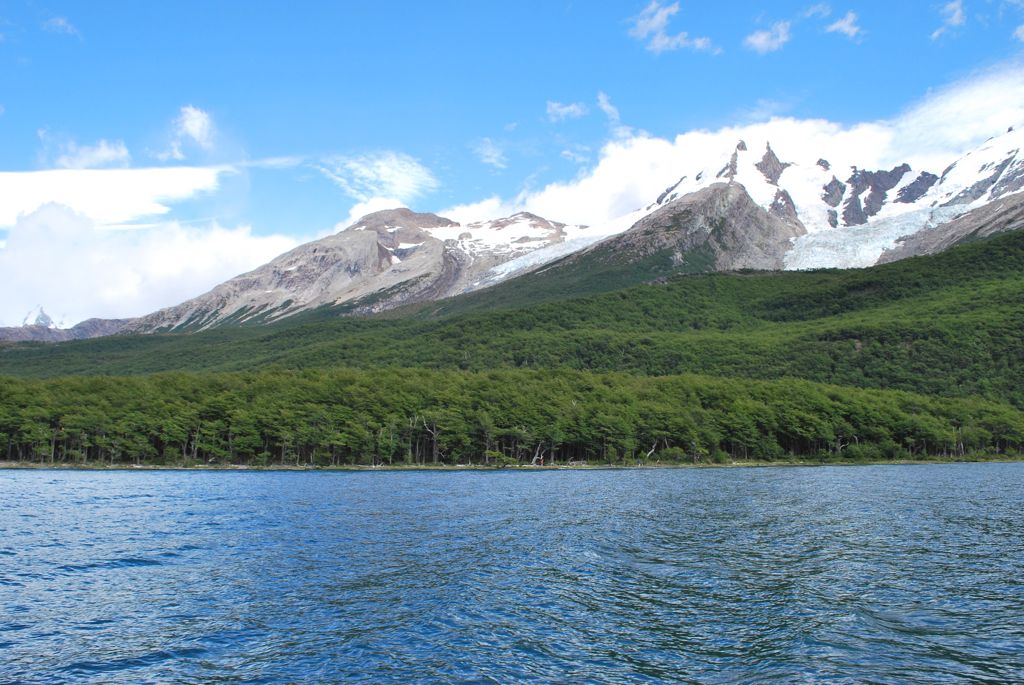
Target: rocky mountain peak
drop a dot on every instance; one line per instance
(770, 165)
(39, 317)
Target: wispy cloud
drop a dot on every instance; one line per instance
(952, 16)
(1019, 33)
(558, 111)
(103, 153)
(819, 11)
(61, 25)
(380, 174)
(604, 103)
(577, 154)
(490, 153)
(651, 26)
(192, 126)
(764, 110)
(771, 40)
(846, 26)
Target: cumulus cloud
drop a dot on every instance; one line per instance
(490, 153)
(192, 126)
(77, 270)
(103, 153)
(771, 40)
(105, 196)
(560, 112)
(61, 25)
(846, 26)
(651, 25)
(379, 174)
(952, 17)
(631, 170)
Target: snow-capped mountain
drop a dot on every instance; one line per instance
(846, 215)
(384, 260)
(39, 317)
(823, 213)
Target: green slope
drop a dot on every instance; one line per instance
(943, 325)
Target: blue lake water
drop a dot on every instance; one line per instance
(889, 574)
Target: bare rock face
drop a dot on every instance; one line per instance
(385, 260)
(784, 208)
(876, 184)
(834, 191)
(915, 190)
(771, 167)
(717, 228)
(999, 216)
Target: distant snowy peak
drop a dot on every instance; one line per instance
(39, 317)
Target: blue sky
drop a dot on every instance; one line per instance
(311, 112)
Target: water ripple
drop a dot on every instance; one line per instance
(843, 575)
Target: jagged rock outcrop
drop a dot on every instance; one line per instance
(915, 190)
(834, 191)
(876, 184)
(718, 228)
(770, 166)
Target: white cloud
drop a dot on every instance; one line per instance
(103, 153)
(490, 208)
(380, 174)
(61, 25)
(192, 126)
(490, 153)
(77, 270)
(105, 196)
(952, 16)
(560, 112)
(2, 110)
(1019, 33)
(819, 11)
(631, 170)
(651, 24)
(846, 26)
(771, 40)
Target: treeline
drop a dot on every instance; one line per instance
(415, 416)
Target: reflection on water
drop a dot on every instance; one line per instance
(863, 574)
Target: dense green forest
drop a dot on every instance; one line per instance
(663, 369)
(414, 416)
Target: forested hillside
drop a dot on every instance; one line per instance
(918, 358)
